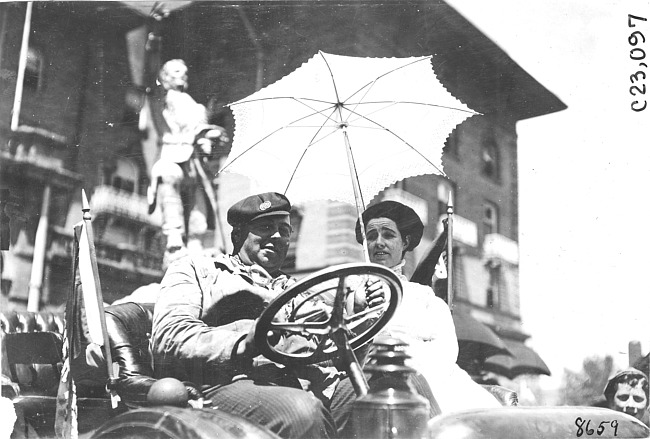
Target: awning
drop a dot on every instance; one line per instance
(476, 341)
(524, 361)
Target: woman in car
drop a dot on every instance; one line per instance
(423, 320)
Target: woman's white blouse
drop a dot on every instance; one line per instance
(424, 317)
(424, 321)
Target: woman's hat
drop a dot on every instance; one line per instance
(408, 222)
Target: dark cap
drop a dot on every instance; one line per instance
(408, 222)
(258, 206)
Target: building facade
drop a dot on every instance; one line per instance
(72, 83)
(480, 158)
(64, 126)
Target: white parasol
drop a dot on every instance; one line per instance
(343, 128)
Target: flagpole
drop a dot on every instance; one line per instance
(22, 65)
(85, 208)
(450, 252)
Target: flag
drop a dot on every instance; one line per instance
(92, 301)
(85, 324)
(425, 269)
(74, 340)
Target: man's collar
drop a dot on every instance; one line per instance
(255, 273)
(237, 260)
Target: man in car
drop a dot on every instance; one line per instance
(204, 325)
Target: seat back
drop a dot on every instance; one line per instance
(29, 374)
(129, 329)
(26, 321)
(25, 351)
(129, 326)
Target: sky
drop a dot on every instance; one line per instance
(584, 230)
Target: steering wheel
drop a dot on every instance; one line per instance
(314, 320)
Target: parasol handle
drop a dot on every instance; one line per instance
(358, 198)
(450, 252)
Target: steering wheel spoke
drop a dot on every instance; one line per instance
(367, 315)
(311, 328)
(366, 312)
(307, 300)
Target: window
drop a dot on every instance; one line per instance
(152, 241)
(123, 184)
(494, 287)
(490, 298)
(490, 218)
(490, 157)
(124, 175)
(33, 70)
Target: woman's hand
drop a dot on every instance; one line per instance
(375, 292)
(370, 294)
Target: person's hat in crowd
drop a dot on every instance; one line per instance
(408, 222)
(258, 206)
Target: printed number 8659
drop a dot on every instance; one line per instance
(586, 429)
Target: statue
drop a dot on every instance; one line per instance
(179, 183)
